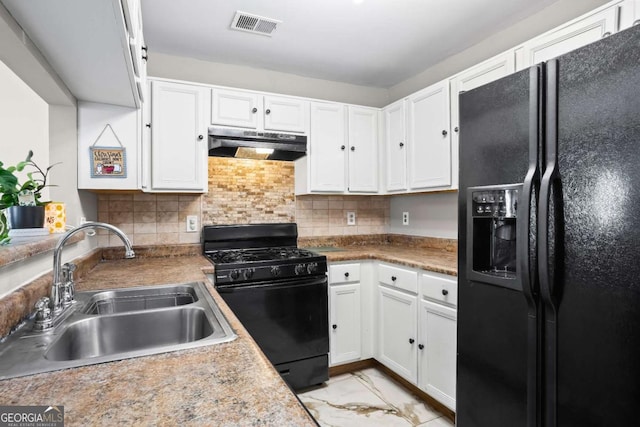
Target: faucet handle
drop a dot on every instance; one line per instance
(69, 287)
(44, 316)
(70, 268)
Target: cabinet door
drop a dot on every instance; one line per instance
(437, 352)
(569, 37)
(235, 108)
(395, 146)
(345, 332)
(429, 139)
(285, 114)
(178, 137)
(488, 71)
(397, 332)
(363, 149)
(327, 147)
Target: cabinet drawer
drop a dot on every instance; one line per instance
(398, 277)
(344, 273)
(439, 288)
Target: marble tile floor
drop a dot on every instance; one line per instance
(368, 398)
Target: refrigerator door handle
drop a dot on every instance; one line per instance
(526, 249)
(550, 208)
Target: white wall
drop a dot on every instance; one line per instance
(189, 69)
(38, 112)
(431, 215)
(24, 123)
(552, 16)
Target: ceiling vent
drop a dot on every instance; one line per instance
(254, 24)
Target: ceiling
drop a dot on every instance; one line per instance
(376, 43)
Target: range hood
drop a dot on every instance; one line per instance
(250, 144)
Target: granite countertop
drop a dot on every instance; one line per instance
(226, 384)
(437, 255)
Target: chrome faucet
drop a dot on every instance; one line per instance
(63, 287)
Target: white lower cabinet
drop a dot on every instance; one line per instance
(397, 331)
(345, 323)
(414, 318)
(437, 352)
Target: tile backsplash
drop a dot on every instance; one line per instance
(243, 191)
(319, 215)
(240, 191)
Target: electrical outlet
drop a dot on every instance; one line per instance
(192, 223)
(351, 218)
(405, 218)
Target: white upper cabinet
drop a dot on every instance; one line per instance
(395, 146)
(575, 34)
(88, 45)
(234, 108)
(327, 152)
(486, 72)
(285, 114)
(429, 137)
(343, 150)
(178, 137)
(257, 111)
(363, 149)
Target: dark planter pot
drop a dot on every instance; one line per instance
(25, 217)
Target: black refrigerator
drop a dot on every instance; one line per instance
(549, 243)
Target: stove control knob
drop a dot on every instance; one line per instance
(234, 274)
(248, 273)
(300, 269)
(275, 270)
(312, 267)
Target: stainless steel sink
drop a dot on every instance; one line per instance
(104, 326)
(142, 298)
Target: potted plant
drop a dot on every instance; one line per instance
(21, 204)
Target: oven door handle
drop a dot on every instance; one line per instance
(274, 284)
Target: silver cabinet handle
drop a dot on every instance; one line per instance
(607, 34)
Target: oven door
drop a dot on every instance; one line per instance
(288, 318)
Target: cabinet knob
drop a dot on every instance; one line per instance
(455, 129)
(401, 144)
(394, 278)
(144, 48)
(444, 133)
(445, 292)
(421, 346)
(607, 34)
(346, 274)
(145, 57)
(334, 326)
(254, 110)
(342, 147)
(353, 148)
(200, 137)
(411, 340)
(148, 125)
(268, 111)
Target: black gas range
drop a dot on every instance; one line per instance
(279, 293)
(236, 266)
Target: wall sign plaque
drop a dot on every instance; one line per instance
(108, 162)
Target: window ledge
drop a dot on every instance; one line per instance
(14, 252)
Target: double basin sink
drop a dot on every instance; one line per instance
(103, 326)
